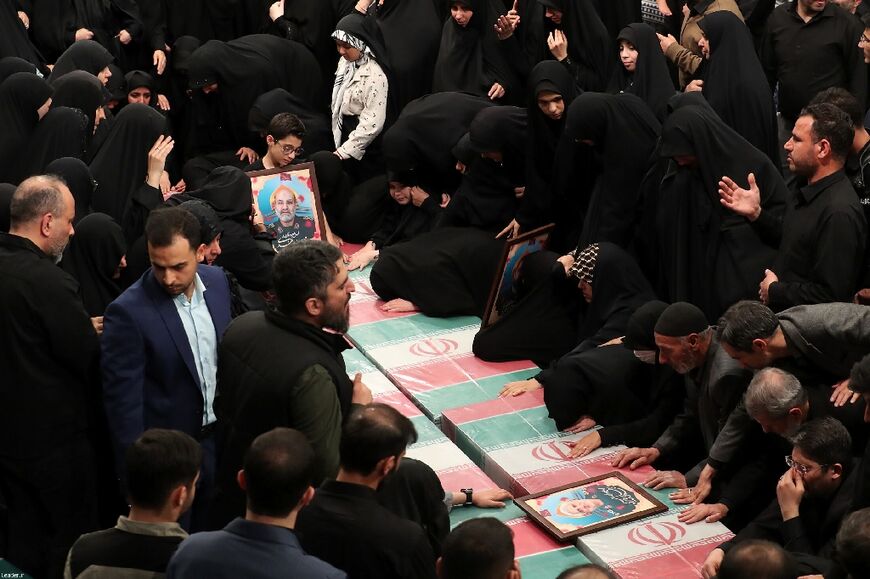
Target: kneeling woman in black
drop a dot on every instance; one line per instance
(585, 301)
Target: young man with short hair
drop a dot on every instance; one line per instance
(277, 481)
(344, 524)
(161, 474)
(284, 138)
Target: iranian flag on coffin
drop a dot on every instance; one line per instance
(657, 547)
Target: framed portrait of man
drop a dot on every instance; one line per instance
(590, 505)
(503, 295)
(289, 201)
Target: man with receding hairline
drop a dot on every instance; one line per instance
(47, 394)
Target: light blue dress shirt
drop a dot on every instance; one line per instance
(202, 337)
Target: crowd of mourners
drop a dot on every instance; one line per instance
(172, 370)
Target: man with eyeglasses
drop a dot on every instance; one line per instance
(812, 497)
(284, 137)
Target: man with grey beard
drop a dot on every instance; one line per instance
(47, 394)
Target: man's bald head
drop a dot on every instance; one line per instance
(758, 559)
(42, 210)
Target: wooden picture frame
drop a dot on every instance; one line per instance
(562, 514)
(515, 251)
(274, 188)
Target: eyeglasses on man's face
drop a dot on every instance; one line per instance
(800, 467)
(290, 149)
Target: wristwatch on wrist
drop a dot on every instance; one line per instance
(468, 502)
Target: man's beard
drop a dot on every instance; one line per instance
(338, 320)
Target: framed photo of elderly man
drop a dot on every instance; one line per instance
(590, 505)
(289, 202)
(503, 294)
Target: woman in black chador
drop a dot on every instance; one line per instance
(709, 256)
(95, 258)
(471, 57)
(572, 33)
(643, 69)
(24, 100)
(449, 271)
(623, 134)
(584, 301)
(734, 82)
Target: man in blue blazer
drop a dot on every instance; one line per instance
(159, 346)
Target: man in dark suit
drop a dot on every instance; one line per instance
(159, 345)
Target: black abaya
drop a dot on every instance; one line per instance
(472, 58)
(9, 65)
(485, 197)
(21, 96)
(63, 132)
(121, 164)
(14, 41)
(417, 148)
(446, 272)
(92, 258)
(617, 14)
(624, 132)
(544, 134)
(735, 84)
(412, 31)
(651, 79)
(85, 55)
(244, 69)
(553, 318)
(79, 90)
(710, 256)
(79, 180)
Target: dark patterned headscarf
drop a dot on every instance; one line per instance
(584, 264)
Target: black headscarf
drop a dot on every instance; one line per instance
(63, 132)
(651, 79)
(485, 197)
(79, 180)
(139, 79)
(545, 172)
(472, 58)
(624, 132)
(249, 66)
(412, 30)
(121, 163)
(417, 147)
(21, 95)
(92, 257)
(318, 133)
(710, 256)
(79, 90)
(7, 190)
(589, 45)
(182, 50)
(9, 65)
(115, 87)
(735, 84)
(85, 55)
(228, 191)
